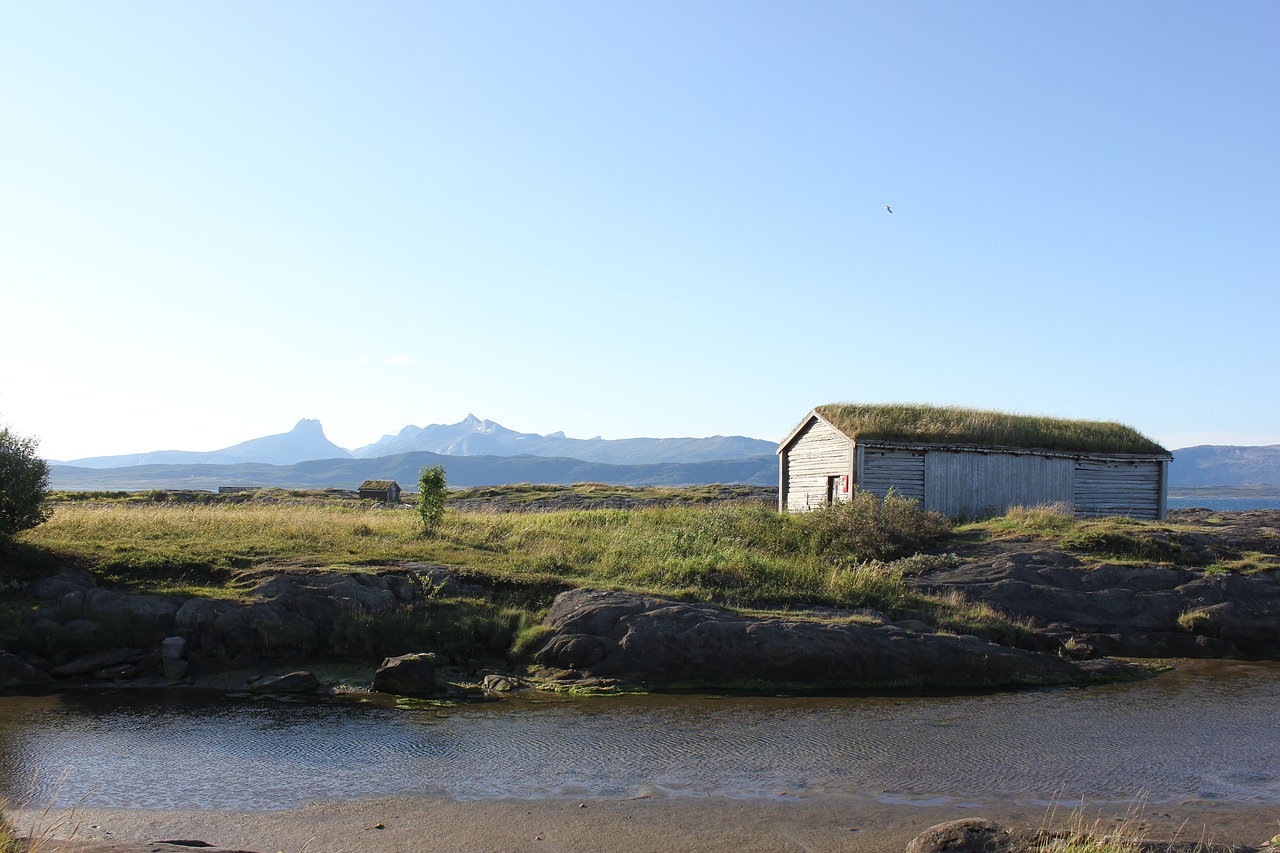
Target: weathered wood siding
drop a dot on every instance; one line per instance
(967, 484)
(883, 469)
(817, 452)
(1116, 487)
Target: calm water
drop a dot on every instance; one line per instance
(1209, 730)
(1225, 504)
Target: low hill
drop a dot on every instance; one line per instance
(1225, 465)
(462, 471)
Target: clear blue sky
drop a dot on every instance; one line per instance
(653, 218)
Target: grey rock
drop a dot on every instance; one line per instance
(407, 675)
(155, 609)
(967, 835)
(56, 587)
(172, 648)
(16, 672)
(119, 672)
(495, 683)
(637, 638)
(174, 670)
(95, 661)
(293, 682)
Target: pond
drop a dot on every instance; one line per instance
(1208, 730)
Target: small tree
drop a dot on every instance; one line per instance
(431, 495)
(24, 480)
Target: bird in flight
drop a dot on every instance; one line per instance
(888, 208)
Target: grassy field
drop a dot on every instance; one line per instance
(748, 553)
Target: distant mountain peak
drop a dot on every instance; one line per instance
(473, 436)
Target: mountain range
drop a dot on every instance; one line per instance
(469, 437)
(482, 452)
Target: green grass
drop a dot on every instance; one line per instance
(1248, 563)
(740, 555)
(956, 425)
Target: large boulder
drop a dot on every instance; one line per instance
(638, 638)
(407, 675)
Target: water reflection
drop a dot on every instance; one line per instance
(1207, 731)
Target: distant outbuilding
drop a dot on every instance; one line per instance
(971, 463)
(380, 490)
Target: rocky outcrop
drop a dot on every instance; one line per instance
(662, 643)
(1125, 610)
(293, 682)
(288, 615)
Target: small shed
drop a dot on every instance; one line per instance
(380, 490)
(971, 463)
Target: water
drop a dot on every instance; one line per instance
(1208, 731)
(1224, 504)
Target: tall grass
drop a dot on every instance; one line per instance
(47, 829)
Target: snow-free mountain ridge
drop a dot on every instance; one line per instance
(475, 437)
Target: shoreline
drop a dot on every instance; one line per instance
(647, 823)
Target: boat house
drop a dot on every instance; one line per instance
(380, 490)
(971, 463)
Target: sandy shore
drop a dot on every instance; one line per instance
(817, 823)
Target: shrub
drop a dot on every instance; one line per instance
(868, 528)
(431, 497)
(24, 482)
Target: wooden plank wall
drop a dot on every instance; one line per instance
(1117, 488)
(817, 452)
(885, 468)
(967, 484)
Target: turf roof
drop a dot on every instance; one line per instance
(983, 428)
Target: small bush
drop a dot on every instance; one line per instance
(868, 528)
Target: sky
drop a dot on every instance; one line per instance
(633, 219)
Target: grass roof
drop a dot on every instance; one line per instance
(983, 428)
